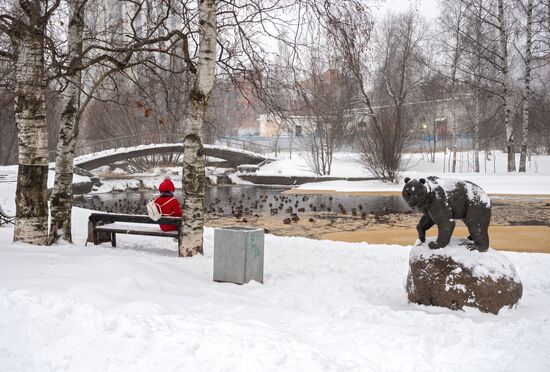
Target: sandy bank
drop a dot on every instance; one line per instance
(506, 238)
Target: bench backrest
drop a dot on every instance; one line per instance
(136, 218)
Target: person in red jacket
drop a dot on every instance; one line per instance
(169, 205)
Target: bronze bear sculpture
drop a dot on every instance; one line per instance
(443, 201)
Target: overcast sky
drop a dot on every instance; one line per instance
(427, 8)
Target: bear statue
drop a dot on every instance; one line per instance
(443, 201)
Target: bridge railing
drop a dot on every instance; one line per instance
(90, 147)
(238, 143)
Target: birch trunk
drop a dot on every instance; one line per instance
(527, 88)
(61, 202)
(31, 224)
(477, 119)
(478, 70)
(510, 148)
(456, 56)
(193, 179)
(453, 169)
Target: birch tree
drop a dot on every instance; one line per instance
(193, 176)
(30, 18)
(487, 50)
(526, 86)
(477, 67)
(506, 92)
(62, 196)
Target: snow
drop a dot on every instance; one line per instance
(449, 185)
(325, 306)
(491, 264)
(534, 182)
(7, 187)
(344, 165)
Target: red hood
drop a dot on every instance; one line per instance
(166, 186)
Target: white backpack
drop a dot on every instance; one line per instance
(154, 210)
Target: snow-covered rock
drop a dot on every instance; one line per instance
(455, 277)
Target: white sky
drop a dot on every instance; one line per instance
(428, 8)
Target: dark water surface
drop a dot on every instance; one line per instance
(248, 200)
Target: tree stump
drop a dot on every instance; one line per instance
(454, 277)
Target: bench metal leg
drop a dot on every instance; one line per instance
(113, 239)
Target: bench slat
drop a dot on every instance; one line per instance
(134, 218)
(123, 227)
(109, 223)
(173, 234)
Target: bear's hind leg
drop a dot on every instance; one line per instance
(480, 236)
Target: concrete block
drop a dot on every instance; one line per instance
(238, 254)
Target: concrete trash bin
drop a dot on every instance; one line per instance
(238, 254)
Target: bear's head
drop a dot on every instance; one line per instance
(415, 192)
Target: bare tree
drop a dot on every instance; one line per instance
(507, 92)
(325, 93)
(27, 28)
(527, 85)
(452, 22)
(62, 196)
(399, 76)
(326, 98)
(193, 178)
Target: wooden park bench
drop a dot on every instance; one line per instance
(5, 218)
(103, 227)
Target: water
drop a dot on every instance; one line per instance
(250, 200)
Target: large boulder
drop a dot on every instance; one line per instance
(455, 277)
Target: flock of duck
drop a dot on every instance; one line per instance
(244, 206)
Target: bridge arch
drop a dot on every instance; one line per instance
(232, 156)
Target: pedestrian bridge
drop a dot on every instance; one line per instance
(232, 156)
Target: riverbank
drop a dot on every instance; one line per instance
(519, 224)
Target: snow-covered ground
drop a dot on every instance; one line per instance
(324, 306)
(493, 177)
(10, 171)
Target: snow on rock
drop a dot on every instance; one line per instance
(482, 264)
(455, 277)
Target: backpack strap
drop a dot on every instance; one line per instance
(166, 202)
